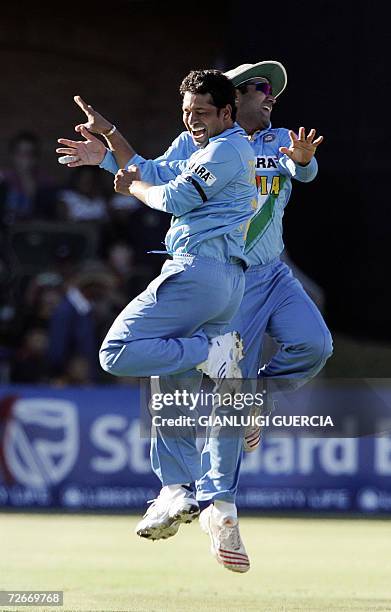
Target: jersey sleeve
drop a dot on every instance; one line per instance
(304, 174)
(201, 180)
(178, 150)
(158, 172)
(109, 163)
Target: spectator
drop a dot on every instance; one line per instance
(144, 229)
(41, 298)
(76, 372)
(84, 201)
(131, 278)
(75, 326)
(25, 193)
(30, 363)
(84, 198)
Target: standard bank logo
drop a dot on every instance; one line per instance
(41, 441)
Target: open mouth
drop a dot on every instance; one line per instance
(267, 108)
(198, 133)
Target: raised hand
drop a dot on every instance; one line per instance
(95, 123)
(302, 148)
(124, 178)
(90, 152)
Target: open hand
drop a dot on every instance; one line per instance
(90, 152)
(95, 123)
(302, 148)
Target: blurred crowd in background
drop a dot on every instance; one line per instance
(72, 255)
(61, 228)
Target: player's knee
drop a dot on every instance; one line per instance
(111, 361)
(328, 348)
(319, 349)
(107, 361)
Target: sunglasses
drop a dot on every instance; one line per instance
(262, 86)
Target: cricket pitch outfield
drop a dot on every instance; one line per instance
(100, 564)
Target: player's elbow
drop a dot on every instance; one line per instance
(306, 178)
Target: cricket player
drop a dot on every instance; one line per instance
(177, 324)
(274, 301)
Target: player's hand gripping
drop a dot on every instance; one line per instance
(124, 178)
(89, 152)
(96, 123)
(302, 148)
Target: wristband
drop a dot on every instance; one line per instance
(112, 130)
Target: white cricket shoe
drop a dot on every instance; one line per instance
(226, 544)
(225, 352)
(174, 505)
(252, 433)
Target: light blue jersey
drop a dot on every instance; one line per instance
(211, 195)
(274, 173)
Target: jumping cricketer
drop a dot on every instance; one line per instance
(274, 301)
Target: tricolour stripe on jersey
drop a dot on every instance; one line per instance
(261, 220)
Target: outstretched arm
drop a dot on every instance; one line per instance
(299, 160)
(88, 152)
(97, 124)
(92, 150)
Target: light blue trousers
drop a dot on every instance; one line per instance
(276, 303)
(165, 331)
(273, 302)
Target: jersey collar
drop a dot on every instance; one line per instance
(259, 133)
(235, 129)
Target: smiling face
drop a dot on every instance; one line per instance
(254, 105)
(203, 119)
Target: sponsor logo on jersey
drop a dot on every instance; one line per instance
(266, 162)
(269, 138)
(265, 188)
(204, 174)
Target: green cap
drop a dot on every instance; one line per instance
(273, 71)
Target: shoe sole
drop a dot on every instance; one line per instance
(171, 527)
(229, 565)
(252, 435)
(252, 441)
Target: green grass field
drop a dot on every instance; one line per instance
(297, 564)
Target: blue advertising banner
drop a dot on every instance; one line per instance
(80, 448)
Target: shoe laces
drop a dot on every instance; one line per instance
(156, 504)
(160, 503)
(232, 537)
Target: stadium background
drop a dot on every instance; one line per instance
(67, 438)
(128, 64)
(69, 435)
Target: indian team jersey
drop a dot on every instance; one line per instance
(210, 193)
(274, 173)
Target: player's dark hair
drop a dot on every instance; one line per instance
(213, 82)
